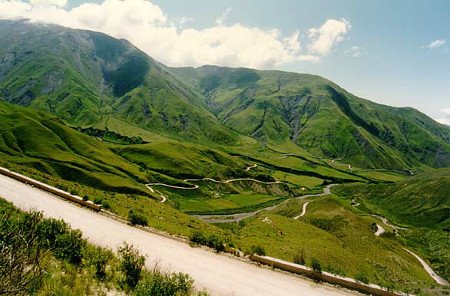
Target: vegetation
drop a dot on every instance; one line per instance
(48, 256)
(131, 265)
(136, 218)
(315, 264)
(155, 124)
(213, 241)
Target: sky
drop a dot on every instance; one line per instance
(392, 52)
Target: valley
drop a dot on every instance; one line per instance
(289, 164)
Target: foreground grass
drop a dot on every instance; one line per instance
(44, 256)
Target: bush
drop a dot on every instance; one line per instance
(69, 246)
(315, 264)
(361, 276)
(131, 265)
(49, 230)
(160, 284)
(22, 260)
(258, 250)
(137, 218)
(99, 257)
(213, 241)
(98, 201)
(299, 257)
(198, 238)
(85, 198)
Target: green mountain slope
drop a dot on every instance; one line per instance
(275, 106)
(90, 79)
(420, 201)
(87, 78)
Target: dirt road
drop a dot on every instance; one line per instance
(219, 274)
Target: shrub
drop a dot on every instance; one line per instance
(361, 276)
(131, 265)
(216, 243)
(299, 257)
(137, 218)
(85, 197)
(49, 230)
(69, 246)
(315, 264)
(160, 284)
(99, 257)
(258, 250)
(213, 241)
(198, 238)
(98, 201)
(22, 260)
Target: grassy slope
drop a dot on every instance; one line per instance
(340, 239)
(419, 203)
(275, 106)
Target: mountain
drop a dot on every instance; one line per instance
(92, 80)
(86, 78)
(319, 116)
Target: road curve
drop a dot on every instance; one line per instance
(303, 211)
(240, 216)
(380, 230)
(219, 274)
(430, 271)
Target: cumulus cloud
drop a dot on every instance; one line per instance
(446, 118)
(58, 3)
(436, 43)
(148, 27)
(325, 37)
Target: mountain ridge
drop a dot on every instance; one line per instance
(89, 78)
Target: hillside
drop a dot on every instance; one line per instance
(419, 201)
(321, 117)
(89, 79)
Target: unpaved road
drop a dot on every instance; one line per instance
(240, 216)
(380, 230)
(219, 274)
(303, 211)
(430, 271)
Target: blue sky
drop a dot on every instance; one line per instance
(383, 52)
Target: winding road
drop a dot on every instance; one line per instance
(218, 274)
(428, 269)
(303, 211)
(241, 216)
(194, 186)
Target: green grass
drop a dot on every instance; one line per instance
(420, 201)
(231, 203)
(348, 247)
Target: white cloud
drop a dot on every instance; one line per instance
(446, 118)
(355, 51)
(58, 3)
(222, 18)
(146, 26)
(436, 43)
(325, 37)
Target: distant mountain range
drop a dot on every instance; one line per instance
(89, 79)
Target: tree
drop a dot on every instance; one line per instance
(131, 264)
